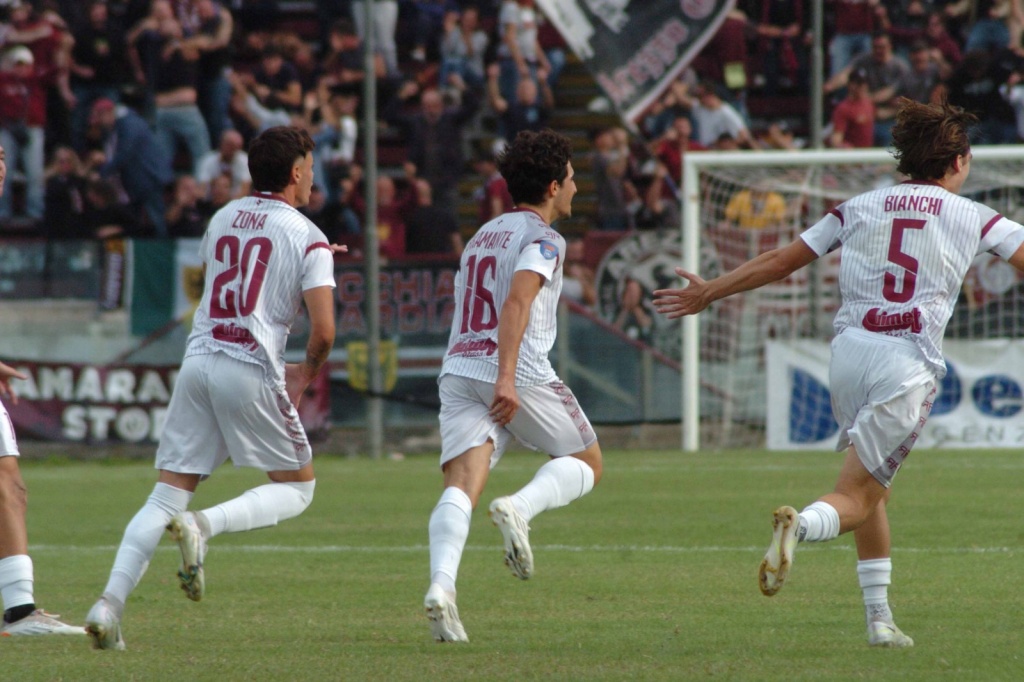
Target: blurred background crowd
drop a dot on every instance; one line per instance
(132, 117)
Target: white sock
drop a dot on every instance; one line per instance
(875, 575)
(260, 507)
(16, 581)
(819, 522)
(449, 528)
(555, 484)
(141, 538)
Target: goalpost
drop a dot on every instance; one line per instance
(724, 390)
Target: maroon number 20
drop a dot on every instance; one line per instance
(236, 289)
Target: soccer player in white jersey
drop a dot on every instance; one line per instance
(235, 396)
(496, 381)
(906, 250)
(21, 617)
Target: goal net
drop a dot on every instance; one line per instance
(737, 205)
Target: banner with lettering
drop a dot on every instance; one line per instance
(978, 405)
(634, 48)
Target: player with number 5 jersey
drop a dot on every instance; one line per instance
(905, 252)
(496, 381)
(235, 397)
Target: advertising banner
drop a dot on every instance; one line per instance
(978, 404)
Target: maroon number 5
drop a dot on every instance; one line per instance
(236, 289)
(905, 261)
(478, 311)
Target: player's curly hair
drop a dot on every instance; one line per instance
(532, 161)
(272, 154)
(927, 138)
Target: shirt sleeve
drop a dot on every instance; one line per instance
(318, 262)
(542, 255)
(823, 236)
(999, 234)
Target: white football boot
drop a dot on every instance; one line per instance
(883, 634)
(779, 557)
(515, 532)
(185, 531)
(443, 615)
(104, 627)
(40, 622)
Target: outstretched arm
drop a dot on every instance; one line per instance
(770, 266)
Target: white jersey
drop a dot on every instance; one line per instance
(514, 241)
(906, 250)
(260, 254)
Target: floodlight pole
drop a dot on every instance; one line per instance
(371, 252)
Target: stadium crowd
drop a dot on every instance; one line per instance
(132, 117)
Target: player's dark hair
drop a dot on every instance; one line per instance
(273, 153)
(927, 138)
(532, 161)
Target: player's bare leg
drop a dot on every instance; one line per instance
(874, 572)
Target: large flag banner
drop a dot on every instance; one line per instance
(635, 48)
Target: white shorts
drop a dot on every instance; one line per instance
(549, 419)
(8, 443)
(222, 407)
(882, 392)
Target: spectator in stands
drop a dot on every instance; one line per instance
(335, 137)
(213, 39)
(673, 146)
(781, 52)
(578, 278)
(779, 135)
(220, 192)
(276, 82)
(905, 22)
(98, 66)
(463, 48)
(132, 154)
(855, 22)
(428, 229)
(172, 66)
(46, 34)
(105, 217)
(530, 109)
(519, 52)
(975, 85)
(927, 71)
(343, 63)
(659, 117)
(658, 209)
(392, 207)
(612, 164)
(853, 119)
(23, 125)
(884, 72)
(755, 208)
(938, 38)
(65, 189)
(188, 211)
(435, 136)
(385, 21)
(554, 47)
(714, 117)
(723, 60)
(492, 196)
(990, 28)
(251, 114)
(229, 160)
(430, 27)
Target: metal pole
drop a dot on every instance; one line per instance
(690, 328)
(817, 74)
(374, 404)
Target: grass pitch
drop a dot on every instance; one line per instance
(651, 577)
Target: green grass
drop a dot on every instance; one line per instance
(651, 577)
